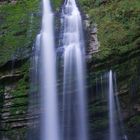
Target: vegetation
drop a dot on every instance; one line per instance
(56, 4)
(118, 25)
(19, 25)
(118, 32)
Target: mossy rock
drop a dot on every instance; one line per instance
(19, 27)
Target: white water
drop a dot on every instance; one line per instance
(116, 126)
(74, 124)
(112, 118)
(49, 112)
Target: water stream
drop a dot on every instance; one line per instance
(74, 125)
(48, 91)
(112, 109)
(116, 126)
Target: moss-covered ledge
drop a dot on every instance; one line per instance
(111, 60)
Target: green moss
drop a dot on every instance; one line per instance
(134, 121)
(18, 111)
(18, 28)
(22, 87)
(56, 4)
(13, 134)
(20, 101)
(21, 91)
(97, 109)
(99, 124)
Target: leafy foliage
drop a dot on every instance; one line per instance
(118, 25)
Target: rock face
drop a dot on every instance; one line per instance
(91, 32)
(19, 25)
(128, 92)
(94, 43)
(106, 49)
(118, 54)
(13, 101)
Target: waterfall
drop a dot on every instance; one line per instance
(112, 118)
(73, 115)
(116, 126)
(44, 65)
(74, 125)
(49, 117)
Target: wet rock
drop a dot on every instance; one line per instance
(10, 78)
(93, 42)
(137, 107)
(86, 22)
(103, 2)
(20, 33)
(8, 1)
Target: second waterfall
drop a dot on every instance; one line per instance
(73, 117)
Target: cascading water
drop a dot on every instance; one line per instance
(49, 118)
(116, 131)
(112, 118)
(74, 116)
(74, 125)
(45, 59)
